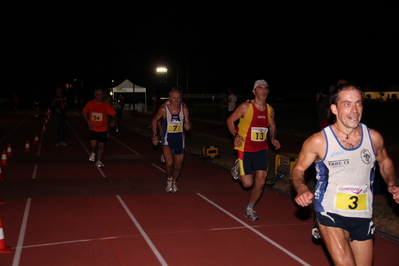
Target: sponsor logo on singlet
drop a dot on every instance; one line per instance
(338, 163)
(354, 190)
(366, 156)
(336, 153)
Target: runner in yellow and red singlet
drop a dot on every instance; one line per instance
(256, 121)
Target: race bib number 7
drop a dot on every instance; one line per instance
(175, 127)
(351, 198)
(258, 133)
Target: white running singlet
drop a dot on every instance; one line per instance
(345, 177)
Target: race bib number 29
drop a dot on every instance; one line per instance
(258, 133)
(350, 198)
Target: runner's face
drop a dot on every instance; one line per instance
(349, 108)
(175, 98)
(261, 92)
(99, 96)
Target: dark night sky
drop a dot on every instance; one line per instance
(294, 46)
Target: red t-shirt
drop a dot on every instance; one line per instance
(98, 114)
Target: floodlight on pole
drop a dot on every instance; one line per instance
(162, 70)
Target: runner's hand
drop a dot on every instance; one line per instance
(304, 198)
(394, 190)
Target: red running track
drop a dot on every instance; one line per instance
(61, 210)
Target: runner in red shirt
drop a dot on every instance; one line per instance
(96, 113)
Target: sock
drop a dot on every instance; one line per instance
(250, 206)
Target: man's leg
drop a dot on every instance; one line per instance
(363, 252)
(257, 189)
(100, 151)
(168, 155)
(167, 152)
(93, 145)
(177, 165)
(338, 245)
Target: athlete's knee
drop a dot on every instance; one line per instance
(177, 167)
(260, 179)
(246, 181)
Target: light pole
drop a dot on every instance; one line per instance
(162, 73)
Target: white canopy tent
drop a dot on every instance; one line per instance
(129, 87)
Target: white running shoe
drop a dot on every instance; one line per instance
(316, 233)
(92, 157)
(99, 164)
(174, 187)
(235, 170)
(169, 186)
(251, 214)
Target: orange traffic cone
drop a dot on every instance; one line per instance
(1, 175)
(3, 247)
(36, 141)
(3, 158)
(44, 129)
(27, 146)
(9, 151)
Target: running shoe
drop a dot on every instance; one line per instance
(316, 233)
(174, 187)
(251, 214)
(63, 144)
(92, 157)
(235, 170)
(99, 164)
(169, 186)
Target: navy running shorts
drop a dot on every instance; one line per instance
(254, 161)
(359, 229)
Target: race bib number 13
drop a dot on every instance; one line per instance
(351, 198)
(258, 133)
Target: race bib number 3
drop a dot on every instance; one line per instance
(258, 133)
(351, 199)
(175, 127)
(96, 116)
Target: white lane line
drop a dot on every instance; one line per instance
(14, 128)
(143, 233)
(110, 136)
(84, 147)
(21, 237)
(256, 231)
(41, 138)
(34, 172)
(77, 241)
(156, 166)
(80, 141)
(126, 146)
